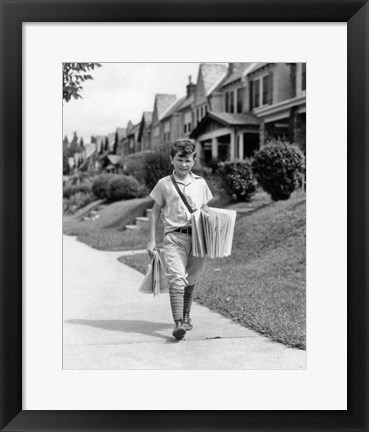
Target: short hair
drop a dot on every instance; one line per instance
(184, 147)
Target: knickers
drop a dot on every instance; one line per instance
(182, 269)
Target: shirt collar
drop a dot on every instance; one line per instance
(190, 180)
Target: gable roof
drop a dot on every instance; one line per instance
(238, 72)
(146, 120)
(212, 74)
(147, 117)
(121, 133)
(173, 108)
(114, 159)
(187, 103)
(225, 119)
(134, 129)
(162, 103)
(256, 66)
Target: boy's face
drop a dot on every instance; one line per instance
(183, 164)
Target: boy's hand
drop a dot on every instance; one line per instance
(151, 245)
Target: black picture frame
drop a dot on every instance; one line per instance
(13, 14)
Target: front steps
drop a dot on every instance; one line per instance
(142, 222)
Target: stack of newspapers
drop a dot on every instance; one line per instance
(155, 281)
(212, 232)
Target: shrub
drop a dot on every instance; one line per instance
(100, 186)
(70, 190)
(278, 167)
(135, 166)
(123, 187)
(156, 166)
(77, 201)
(205, 172)
(238, 179)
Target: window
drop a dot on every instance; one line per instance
(239, 100)
(266, 90)
(256, 101)
(261, 91)
(231, 102)
(226, 102)
(166, 131)
(303, 81)
(198, 115)
(187, 122)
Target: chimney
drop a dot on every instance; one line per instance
(190, 87)
(234, 67)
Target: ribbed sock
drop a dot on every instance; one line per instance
(188, 297)
(176, 303)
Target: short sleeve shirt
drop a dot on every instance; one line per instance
(175, 212)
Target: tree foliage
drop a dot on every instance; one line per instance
(73, 75)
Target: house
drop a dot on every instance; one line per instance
(170, 125)
(120, 134)
(144, 134)
(278, 99)
(130, 142)
(209, 77)
(161, 105)
(228, 130)
(111, 141)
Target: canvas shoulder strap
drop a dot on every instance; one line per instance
(181, 195)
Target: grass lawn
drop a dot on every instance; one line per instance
(262, 284)
(108, 232)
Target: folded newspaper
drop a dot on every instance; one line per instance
(155, 281)
(212, 232)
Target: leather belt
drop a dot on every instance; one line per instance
(186, 230)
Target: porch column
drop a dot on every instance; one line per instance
(200, 152)
(214, 149)
(232, 144)
(240, 150)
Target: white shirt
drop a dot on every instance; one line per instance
(175, 212)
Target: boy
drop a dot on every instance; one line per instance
(182, 268)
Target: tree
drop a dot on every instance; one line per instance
(73, 75)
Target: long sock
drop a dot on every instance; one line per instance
(188, 297)
(176, 303)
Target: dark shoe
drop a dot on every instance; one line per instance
(187, 323)
(179, 331)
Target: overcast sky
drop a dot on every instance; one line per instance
(121, 92)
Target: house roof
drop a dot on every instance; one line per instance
(240, 69)
(90, 149)
(111, 138)
(225, 119)
(134, 129)
(187, 103)
(121, 133)
(114, 159)
(147, 116)
(163, 102)
(173, 108)
(256, 66)
(212, 74)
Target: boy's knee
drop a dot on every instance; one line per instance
(175, 289)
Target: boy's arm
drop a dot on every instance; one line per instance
(151, 245)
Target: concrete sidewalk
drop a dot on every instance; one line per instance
(108, 324)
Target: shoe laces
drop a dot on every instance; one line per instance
(186, 317)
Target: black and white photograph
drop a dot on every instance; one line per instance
(184, 216)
